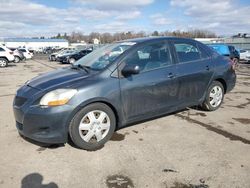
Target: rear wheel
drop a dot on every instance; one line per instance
(72, 60)
(17, 59)
(52, 58)
(215, 96)
(92, 126)
(3, 62)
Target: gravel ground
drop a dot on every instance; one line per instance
(191, 148)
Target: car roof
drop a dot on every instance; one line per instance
(153, 38)
(217, 44)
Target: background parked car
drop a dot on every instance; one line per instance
(63, 53)
(53, 56)
(71, 58)
(26, 53)
(18, 54)
(227, 50)
(6, 56)
(245, 55)
(47, 50)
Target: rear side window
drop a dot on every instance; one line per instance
(2, 50)
(187, 51)
(151, 56)
(203, 52)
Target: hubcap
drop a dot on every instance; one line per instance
(215, 96)
(2, 63)
(72, 61)
(16, 59)
(94, 126)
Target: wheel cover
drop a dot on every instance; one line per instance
(71, 60)
(2, 63)
(16, 59)
(94, 126)
(215, 96)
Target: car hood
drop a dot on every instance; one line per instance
(55, 79)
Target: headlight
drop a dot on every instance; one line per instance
(57, 97)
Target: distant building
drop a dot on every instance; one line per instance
(209, 40)
(79, 45)
(238, 42)
(35, 44)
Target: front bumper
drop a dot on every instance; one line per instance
(47, 125)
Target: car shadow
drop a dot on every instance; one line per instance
(156, 117)
(34, 180)
(43, 145)
(71, 143)
(11, 65)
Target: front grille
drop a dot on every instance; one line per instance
(19, 101)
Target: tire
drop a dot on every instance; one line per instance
(17, 59)
(89, 133)
(3, 62)
(72, 60)
(214, 96)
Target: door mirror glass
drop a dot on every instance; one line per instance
(130, 69)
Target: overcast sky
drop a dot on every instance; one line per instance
(30, 18)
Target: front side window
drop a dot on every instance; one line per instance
(186, 52)
(151, 56)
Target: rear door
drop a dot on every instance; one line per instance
(194, 70)
(154, 90)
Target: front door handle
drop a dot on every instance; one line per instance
(207, 68)
(171, 75)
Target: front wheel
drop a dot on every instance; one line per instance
(17, 59)
(92, 126)
(3, 62)
(214, 97)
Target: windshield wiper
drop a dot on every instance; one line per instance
(79, 66)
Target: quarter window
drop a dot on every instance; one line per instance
(2, 50)
(203, 52)
(151, 56)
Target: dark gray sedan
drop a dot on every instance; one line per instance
(119, 84)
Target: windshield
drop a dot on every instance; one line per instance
(66, 52)
(102, 57)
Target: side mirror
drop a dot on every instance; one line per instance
(130, 69)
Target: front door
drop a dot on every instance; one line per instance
(154, 90)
